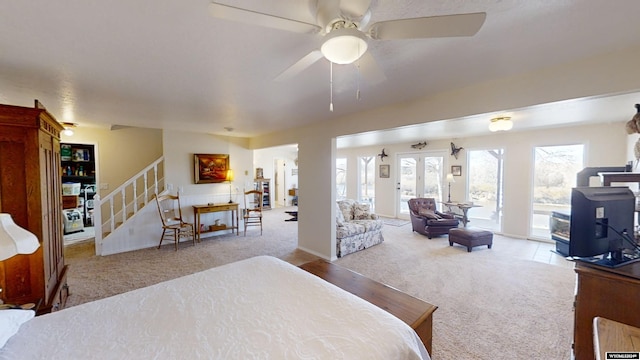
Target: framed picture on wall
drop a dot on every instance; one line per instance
(456, 170)
(384, 171)
(210, 168)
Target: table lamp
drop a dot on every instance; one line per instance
(230, 179)
(15, 240)
(450, 179)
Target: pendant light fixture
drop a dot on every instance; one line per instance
(501, 123)
(68, 128)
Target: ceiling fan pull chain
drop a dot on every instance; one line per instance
(331, 86)
(358, 78)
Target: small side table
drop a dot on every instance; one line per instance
(462, 206)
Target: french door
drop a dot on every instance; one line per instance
(419, 175)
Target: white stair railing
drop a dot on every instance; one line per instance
(125, 201)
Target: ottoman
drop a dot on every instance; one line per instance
(470, 237)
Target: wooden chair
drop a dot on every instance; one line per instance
(252, 212)
(172, 223)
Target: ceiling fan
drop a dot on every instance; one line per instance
(346, 30)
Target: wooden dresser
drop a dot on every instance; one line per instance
(609, 293)
(30, 191)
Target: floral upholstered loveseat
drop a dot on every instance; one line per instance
(356, 227)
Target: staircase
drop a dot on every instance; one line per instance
(125, 202)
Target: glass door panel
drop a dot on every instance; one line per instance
(485, 187)
(555, 169)
(433, 177)
(407, 183)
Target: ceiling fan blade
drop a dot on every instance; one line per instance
(370, 70)
(429, 27)
(300, 65)
(232, 13)
(364, 22)
(354, 9)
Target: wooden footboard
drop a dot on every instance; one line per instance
(416, 313)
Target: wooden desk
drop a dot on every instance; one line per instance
(203, 209)
(462, 206)
(414, 312)
(612, 336)
(604, 292)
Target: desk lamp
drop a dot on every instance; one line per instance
(15, 240)
(450, 179)
(230, 179)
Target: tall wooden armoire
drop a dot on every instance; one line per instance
(30, 191)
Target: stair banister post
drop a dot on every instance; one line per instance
(146, 189)
(124, 205)
(135, 196)
(97, 223)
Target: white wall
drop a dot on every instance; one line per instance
(606, 145)
(599, 75)
(605, 74)
(143, 230)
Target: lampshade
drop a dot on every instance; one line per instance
(229, 175)
(344, 46)
(450, 178)
(14, 239)
(502, 123)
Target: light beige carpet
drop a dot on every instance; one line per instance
(492, 304)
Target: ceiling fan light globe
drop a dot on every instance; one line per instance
(344, 46)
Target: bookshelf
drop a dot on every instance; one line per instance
(265, 186)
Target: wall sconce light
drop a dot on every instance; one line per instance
(68, 128)
(501, 123)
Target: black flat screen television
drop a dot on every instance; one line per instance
(601, 226)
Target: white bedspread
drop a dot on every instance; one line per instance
(260, 308)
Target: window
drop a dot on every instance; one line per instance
(341, 178)
(555, 169)
(485, 187)
(367, 177)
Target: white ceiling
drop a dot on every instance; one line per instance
(170, 64)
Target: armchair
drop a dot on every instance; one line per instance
(428, 221)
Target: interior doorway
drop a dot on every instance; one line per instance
(79, 187)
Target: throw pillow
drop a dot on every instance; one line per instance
(361, 212)
(339, 216)
(10, 321)
(346, 208)
(428, 213)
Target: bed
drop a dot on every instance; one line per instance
(259, 308)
